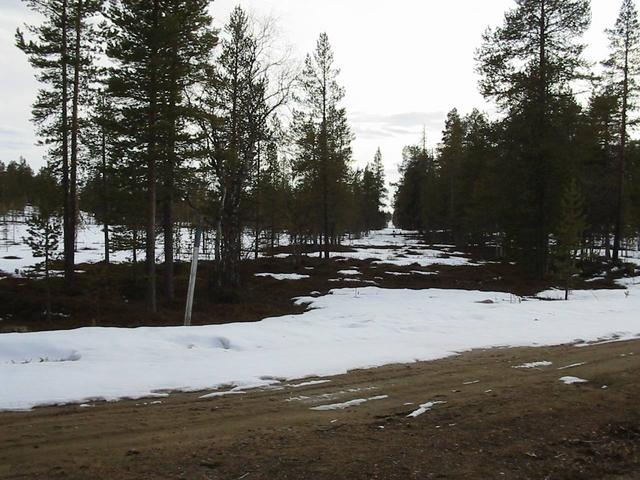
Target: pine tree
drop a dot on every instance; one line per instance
(598, 135)
(62, 51)
(234, 113)
(188, 40)
(450, 159)
(16, 185)
(479, 204)
(135, 48)
(323, 140)
(43, 236)
(158, 49)
(240, 103)
(622, 69)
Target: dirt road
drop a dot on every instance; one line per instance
(495, 421)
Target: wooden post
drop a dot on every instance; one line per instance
(192, 276)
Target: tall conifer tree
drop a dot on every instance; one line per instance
(62, 50)
(323, 139)
(527, 66)
(622, 69)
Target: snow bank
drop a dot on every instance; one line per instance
(345, 330)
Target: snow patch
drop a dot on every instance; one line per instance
(424, 408)
(350, 403)
(543, 363)
(572, 380)
(283, 276)
(573, 365)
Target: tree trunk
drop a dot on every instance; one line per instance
(257, 207)
(169, 180)
(229, 279)
(151, 171)
(47, 284)
(167, 222)
(542, 240)
(617, 238)
(68, 240)
(105, 198)
(75, 127)
(134, 236)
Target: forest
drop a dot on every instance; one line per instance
(157, 121)
(556, 177)
(185, 126)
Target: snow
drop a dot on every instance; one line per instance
(401, 248)
(420, 272)
(233, 391)
(341, 332)
(283, 276)
(424, 408)
(308, 384)
(387, 236)
(572, 380)
(350, 403)
(384, 247)
(543, 363)
(403, 258)
(348, 273)
(573, 365)
(16, 256)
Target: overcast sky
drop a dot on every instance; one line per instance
(404, 63)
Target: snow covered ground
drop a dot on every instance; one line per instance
(283, 276)
(346, 329)
(388, 246)
(402, 248)
(16, 256)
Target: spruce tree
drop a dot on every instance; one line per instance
(380, 189)
(569, 232)
(43, 229)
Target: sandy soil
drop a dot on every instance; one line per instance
(497, 422)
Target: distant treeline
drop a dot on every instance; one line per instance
(20, 186)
